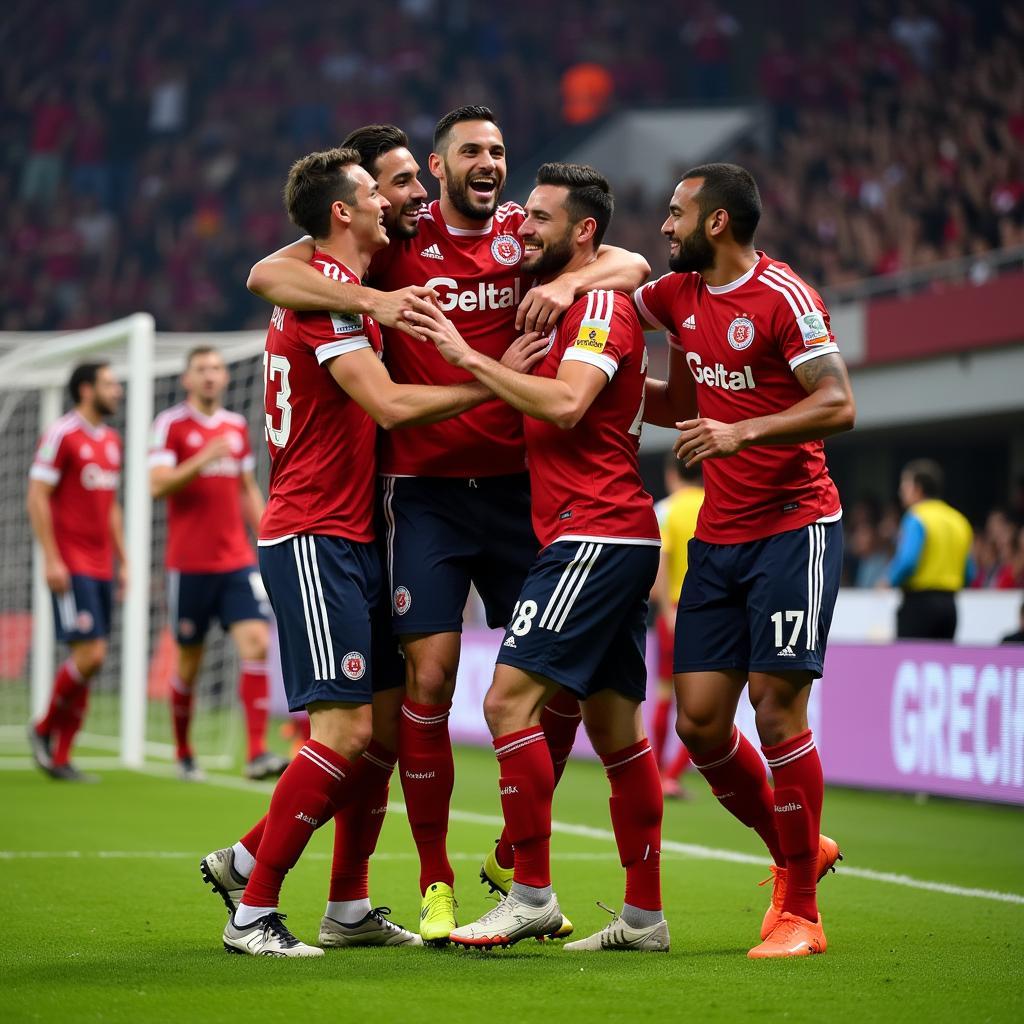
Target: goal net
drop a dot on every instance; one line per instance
(129, 716)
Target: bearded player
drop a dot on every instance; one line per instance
(456, 498)
(753, 339)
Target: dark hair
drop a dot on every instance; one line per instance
(83, 373)
(199, 350)
(927, 476)
(731, 188)
(315, 183)
(457, 116)
(590, 195)
(372, 141)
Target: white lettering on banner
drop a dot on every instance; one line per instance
(717, 376)
(940, 722)
(483, 296)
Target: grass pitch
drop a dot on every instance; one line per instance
(106, 918)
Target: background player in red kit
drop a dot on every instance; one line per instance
(326, 392)
(580, 621)
(456, 493)
(765, 562)
(202, 463)
(73, 508)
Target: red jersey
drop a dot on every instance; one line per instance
(585, 482)
(323, 463)
(205, 527)
(83, 464)
(476, 273)
(742, 342)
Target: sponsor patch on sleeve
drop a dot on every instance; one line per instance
(591, 338)
(344, 323)
(813, 329)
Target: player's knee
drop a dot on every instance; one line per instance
(700, 732)
(431, 682)
(776, 722)
(89, 657)
(499, 712)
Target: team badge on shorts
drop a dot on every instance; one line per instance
(741, 333)
(402, 600)
(186, 628)
(507, 250)
(84, 622)
(353, 665)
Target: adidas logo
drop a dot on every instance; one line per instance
(508, 790)
(787, 652)
(432, 252)
(307, 819)
(690, 323)
(510, 642)
(792, 806)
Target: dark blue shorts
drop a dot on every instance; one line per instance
(195, 599)
(83, 612)
(332, 620)
(763, 606)
(581, 619)
(443, 534)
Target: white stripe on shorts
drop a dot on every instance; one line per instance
(557, 627)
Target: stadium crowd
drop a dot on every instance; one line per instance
(146, 174)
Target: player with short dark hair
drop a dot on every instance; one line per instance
(455, 493)
(326, 392)
(72, 505)
(756, 378)
(201, 462)
(580, 622)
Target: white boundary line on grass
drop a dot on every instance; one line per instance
(691, 850)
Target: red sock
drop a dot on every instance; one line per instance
(636, 806)
(679, 764)
(358, 823)
(251, 840)
(252, 689)
(181, 716)
(527, 783)
(560, 721)
(799, 791)
(71, 723)
(659, 728)
(304, 798)
(737, 777)
(427, 770)
(65, 684)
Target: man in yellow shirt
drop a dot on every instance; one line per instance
(677, 519)
(933, 556)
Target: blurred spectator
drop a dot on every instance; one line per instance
(587, 90)
(708, 33)
(933, 556)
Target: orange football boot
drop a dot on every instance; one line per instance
(792, 936)
(828, 854)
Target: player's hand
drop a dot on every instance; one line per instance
(58, 579)
(216, 449)
(525, 352)
(702, 439)
(544, 304)
(436, 327)
(392, 308)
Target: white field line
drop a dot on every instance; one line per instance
(683, 850)
(197, 855)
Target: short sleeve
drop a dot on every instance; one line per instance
(161, 445)
(802, 325)
(51, 457)
(333, 334)
(247, 460)
(599, 337)
(653, 301)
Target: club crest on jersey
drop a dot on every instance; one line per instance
(402, 600)
(194, 439)
(741, 333)
(235, 442)
(113, 454)
(353, 665)
(507, 250)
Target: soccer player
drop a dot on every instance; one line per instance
(677, 519)
(74, 513)
(753, 344)
(326, 390)
(455, 494)
(201, 462)
(580, 621)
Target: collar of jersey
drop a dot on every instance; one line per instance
(94, 432)
(722, 289)
(460, 232)
(202, 418)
